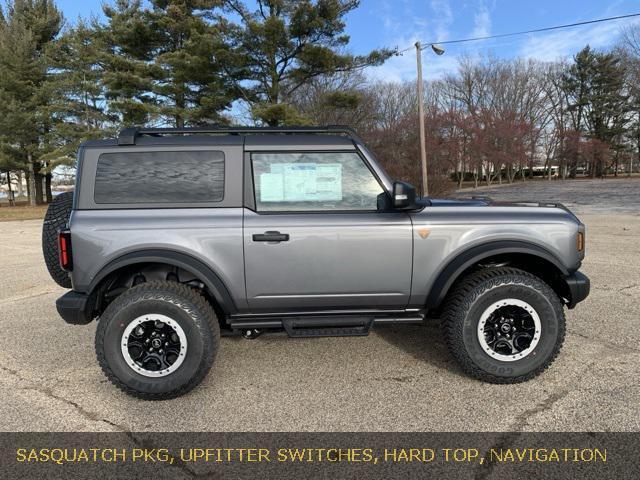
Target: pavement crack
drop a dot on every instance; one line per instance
(623, 348)
(602, 288)
(483, 471)
(84, 413)
(25, 297)
(175, 462)
(520, 420)
(94, 417)
(11, 371)
(628, 288)
(581, 335)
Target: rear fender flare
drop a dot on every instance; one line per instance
(196, 267)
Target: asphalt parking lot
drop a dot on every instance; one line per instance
(400, 378)
(614, 195)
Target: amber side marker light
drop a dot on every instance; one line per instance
(580, 241)
(64, 250)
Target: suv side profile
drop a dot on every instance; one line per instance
(173, 235)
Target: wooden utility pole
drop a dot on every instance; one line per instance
(10, 195)
(32, 180)
(423, 146)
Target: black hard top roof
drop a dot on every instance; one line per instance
(253, 138)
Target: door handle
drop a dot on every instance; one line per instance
(271, 237)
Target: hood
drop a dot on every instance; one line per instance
(459, 202)
(477, 201)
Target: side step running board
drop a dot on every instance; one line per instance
(327, 326)
(322, 326)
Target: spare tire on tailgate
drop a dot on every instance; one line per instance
(55, 220)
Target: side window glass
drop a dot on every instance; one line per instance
(160, 177)
(314, 181)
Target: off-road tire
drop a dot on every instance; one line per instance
(471, 296)
(185, 306)
(55, 220)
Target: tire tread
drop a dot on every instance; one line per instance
(462, 296)
(56, 219)
(161, 290)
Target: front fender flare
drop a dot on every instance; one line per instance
(452, 271)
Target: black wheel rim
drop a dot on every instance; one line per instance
(509, 330)
(154, 345)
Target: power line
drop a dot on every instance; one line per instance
(440, 51)
(537, 30)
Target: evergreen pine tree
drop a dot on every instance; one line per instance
(286, 43)
(27, 28)
(192, 80)
(576, 85)
(77, 106)
(127, 38)
(608, 105)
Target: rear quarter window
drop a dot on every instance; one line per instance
(160, 177)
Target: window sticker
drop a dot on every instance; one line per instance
(271, 187)
(329, 182)
(301, 182)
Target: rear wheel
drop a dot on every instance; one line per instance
(157, 340)
(55, 220)
(503, 325)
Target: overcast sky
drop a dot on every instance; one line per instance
(391, 23)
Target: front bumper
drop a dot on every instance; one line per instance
(579, 286)
(75, 308)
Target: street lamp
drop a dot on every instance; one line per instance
(423, 147)
(437, 49)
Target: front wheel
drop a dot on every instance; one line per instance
(503, 325)
(157, 340)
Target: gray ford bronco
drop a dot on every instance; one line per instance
(174, 235)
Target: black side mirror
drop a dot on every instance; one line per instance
(404, 196)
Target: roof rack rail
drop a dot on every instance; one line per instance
(128, 135)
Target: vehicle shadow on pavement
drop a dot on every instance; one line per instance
(422, 342)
